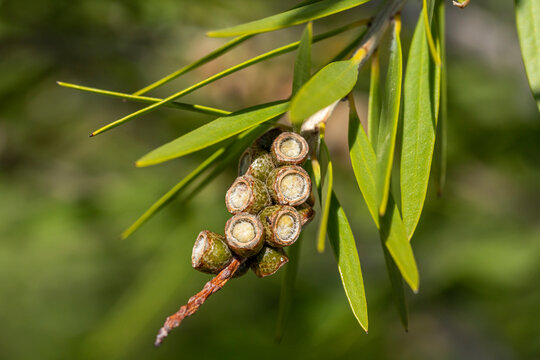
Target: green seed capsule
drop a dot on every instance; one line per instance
(256, 162)
(289, 149)
(244, 234)
(306, 213)
(247, 194)
(289, 185)
(210, 253)
(282, 225)
(268, 261)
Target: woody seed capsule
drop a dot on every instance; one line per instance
(247, 194)
(265, 140)
(244, 234)
(289, 185)
(268, 261)
(210, 253)
(282, 225)
(290, 149)
(306, 213)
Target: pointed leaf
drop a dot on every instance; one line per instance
(419, 128)
(218, 130)
(398, 290)
(388, 122)
(222, 156)
(287, 288)
(374, 103)
(289, 18)
(302, 66)
(326, 194)
(528, 26)
(344, 247)
(390, 227)
(332, 83)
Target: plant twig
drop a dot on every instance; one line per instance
(461, 3)
(195, 302)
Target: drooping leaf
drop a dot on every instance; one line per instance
(302, 66)
(222, 156)
(528, 26)
(388, 122)
(374, 103)
(149, 100)
(398, 291)
(218, 130)
(326, 194)
(390, 227)
(330, 84)
(342, 241)
(289, 18)
(287, 288)
(419, 128)
(268, 55)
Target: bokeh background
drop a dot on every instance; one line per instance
(71, 289)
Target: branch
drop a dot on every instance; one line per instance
(195, 302)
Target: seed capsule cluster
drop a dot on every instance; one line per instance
(270, 201)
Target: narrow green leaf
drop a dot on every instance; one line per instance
(221, 156)
(390, 227)
(330, 84)
(419, 128)
(268, 55)
(398, 291)
(374, 103)
(427, 10)
(344, 247)
(302, 65)
(289, 18)
(209, 134)
(149, 100)
(393, 235)
(363, 161)
(388, 122)
(287, 288)
(528, 26)
(441, 138)
(326, 194)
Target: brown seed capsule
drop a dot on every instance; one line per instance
(268, 261)
(289, 185)
(290, 149)
(210, 253)
(265, 140)
(247, 194)
(244, 234)
(306, 213)
(282, 225)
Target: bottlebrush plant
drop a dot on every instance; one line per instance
(271, 200)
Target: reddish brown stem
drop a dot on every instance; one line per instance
(197, 300)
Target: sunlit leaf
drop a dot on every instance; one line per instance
(326, 194)
(330, 84)
(398, 291)
(390, 226)
(268, 55)
(302, 65)
(374, 103)
(222, 156)
(427, 11)
(342, 241)
(287, 288)
(419, 128)
(218, 130)
(528, 26)
(388, 122)
(289, 18)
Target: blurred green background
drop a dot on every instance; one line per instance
(70, 289)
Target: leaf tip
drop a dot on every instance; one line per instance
(92, 135)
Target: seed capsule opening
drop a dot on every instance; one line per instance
(247, 194)
(198, 249)
(210, 253)
(282, 225)
(290, 148)
(244, 233)
(289, 185)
